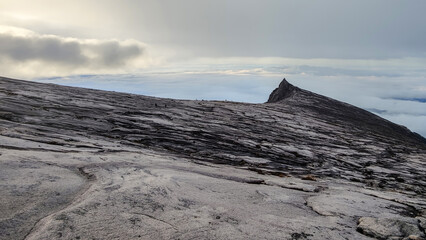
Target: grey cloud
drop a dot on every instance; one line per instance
(301, 29)
(422, 100)
(331, 71)
(111, 53)
(71, 53)
(49, 49)
(243, 28)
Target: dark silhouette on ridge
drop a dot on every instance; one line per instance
(283, 91)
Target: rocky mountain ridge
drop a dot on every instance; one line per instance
(322, 168)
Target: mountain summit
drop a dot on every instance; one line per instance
(80, 163)
(284, 90)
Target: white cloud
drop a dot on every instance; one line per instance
(414, 123)
(24, 53)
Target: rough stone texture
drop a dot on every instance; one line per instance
(87, 164)
(422, 222)
(283, 91)
(387, 228)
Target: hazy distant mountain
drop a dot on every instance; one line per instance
(87, 164)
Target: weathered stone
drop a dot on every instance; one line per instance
(422, 222)
(387, 228)
(284, 90)
(86, 164)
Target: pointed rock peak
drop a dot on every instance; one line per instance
(284, 90)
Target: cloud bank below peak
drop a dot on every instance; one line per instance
(30, 54)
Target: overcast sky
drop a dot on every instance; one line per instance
(368, 53)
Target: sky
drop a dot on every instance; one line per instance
(368, 53)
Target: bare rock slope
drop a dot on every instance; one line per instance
(87, 164)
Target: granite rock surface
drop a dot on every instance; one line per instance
(87, 164)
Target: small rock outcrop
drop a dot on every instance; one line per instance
(386, 228)
(283, 91)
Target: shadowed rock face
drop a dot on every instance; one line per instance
(283, 91)
(183, 169)
(338, 111)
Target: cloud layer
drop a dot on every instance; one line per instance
(30, 54)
